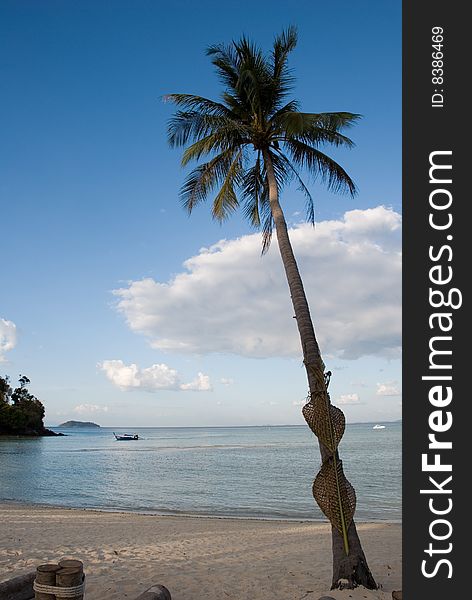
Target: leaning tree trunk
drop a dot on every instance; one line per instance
(349, 563)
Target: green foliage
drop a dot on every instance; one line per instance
(255, 122)
(20, 411)
(5, 390)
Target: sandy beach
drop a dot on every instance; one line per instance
(195, 558)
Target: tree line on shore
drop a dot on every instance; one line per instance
(21, 413)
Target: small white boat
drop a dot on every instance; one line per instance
(126, 437)
(378, 427)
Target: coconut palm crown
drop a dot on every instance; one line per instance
(255, 124)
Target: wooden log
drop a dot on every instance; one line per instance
(70, 577)
(156, 592)
(46, 575)
(18, 588)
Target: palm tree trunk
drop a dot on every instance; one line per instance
(348, 570)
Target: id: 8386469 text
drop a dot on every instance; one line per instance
(437, 67)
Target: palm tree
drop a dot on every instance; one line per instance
(254, 141)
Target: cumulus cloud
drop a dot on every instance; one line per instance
(348, 399)
(200, 384)
(229, 299)
(155, 377)
(388, 389)
(7, 337)
(89, 408)
(151, 379)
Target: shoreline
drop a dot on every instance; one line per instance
(185, 515)
(195, 557)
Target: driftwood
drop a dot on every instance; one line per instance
(18, 588)
(156, 592)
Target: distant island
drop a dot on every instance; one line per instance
(78, 425)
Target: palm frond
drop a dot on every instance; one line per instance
(225, 59)
(319, 164)
(226, 201)
(257, 209)
(283, 174)
(255, 78)
(255, 191)
(309, 204)
(284, 43)
(314, 128)
(291, 106)
(211, 132)
(202, 105)
(226, 137)
(185, 126)
(204, 178)
(238, 111)
(267, 229)
(282, 77)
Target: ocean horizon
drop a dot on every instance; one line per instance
(128, 428)
(260, 472)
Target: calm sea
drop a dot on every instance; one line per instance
(229, 471)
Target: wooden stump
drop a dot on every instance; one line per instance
(18, 588)
(156, 592)
(71, 563)
(46, 575)
(70, 577)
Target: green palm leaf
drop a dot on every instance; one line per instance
(226, 201)
(320, 164)
(204, 178)
(253, 115)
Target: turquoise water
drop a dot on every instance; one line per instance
(235, 471)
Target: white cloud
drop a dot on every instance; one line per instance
(388, 389)
(155, 377)
(348, 399)
(227, 381)
(89, 408)
(151, 379)
(7, 337)
(229, 299)
(200, 384)
(299, 402)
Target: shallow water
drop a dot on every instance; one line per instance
(263, 472)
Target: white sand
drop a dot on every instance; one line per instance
(196, 558)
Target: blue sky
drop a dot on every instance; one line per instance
(89, 204)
